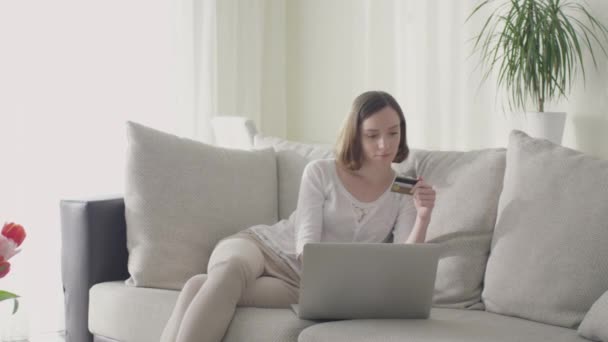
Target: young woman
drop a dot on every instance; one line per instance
(347, 199)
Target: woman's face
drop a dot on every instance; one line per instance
(380, 136)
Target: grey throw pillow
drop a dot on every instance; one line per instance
(595, 324)
(183, 196)
(549, 260)
(468, 186)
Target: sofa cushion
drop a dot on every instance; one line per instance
(127, 313)
(265, 325)
(444, 325)
(468, 186)
(183, 196)
(292, 157)
(595, 324)
(133, 314)
(549, 260)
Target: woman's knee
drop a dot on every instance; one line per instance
(237, 255)
(195, 282)
(235, 268)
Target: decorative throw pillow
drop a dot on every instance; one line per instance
(549, 259)
(595, 324)
(292, 157)
(467, 185)
(183, 196)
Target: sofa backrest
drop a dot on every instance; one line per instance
(468, 185)
(547, 260)
(292, 157)
(534, 248)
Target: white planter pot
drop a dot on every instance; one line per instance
(546, 125)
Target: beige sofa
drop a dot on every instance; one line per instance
(525, 231)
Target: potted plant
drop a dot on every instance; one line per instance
(536, 48)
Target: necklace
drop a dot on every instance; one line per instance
(359, 212)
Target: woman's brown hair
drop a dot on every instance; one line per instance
(348, 147)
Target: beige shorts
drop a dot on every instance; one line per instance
(274, 266)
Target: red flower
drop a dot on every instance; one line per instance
(14, 232)
(11, 237)
(5, 267)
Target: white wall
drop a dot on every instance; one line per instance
(321, 58)
(587, 128)
(71, 73)
(416, 50)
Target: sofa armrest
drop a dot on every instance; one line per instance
(94, 250)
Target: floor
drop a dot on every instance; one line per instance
(42, 338)
(48, 339)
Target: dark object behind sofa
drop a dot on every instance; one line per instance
(93, 237)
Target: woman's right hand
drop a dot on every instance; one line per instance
(424, 199)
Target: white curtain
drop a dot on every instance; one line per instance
(440, 83)
(72, 73)
(251, 62)
(420, 52)
(416, 50)
(437, 81)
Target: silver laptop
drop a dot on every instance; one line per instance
(367, 280)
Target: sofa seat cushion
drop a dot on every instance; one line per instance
(126, 313)
(136, 314)
(265, 325)
(444, 325)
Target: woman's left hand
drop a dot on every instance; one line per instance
(424, 199)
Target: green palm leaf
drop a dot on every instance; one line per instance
(536, 47)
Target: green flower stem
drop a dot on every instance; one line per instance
(4, 295)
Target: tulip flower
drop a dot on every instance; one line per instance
(14, 232)
(11, 237)
(5, 267)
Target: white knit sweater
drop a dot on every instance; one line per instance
(327, 212)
